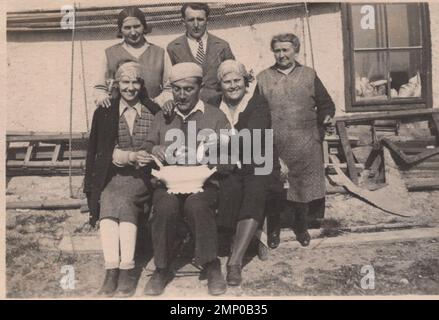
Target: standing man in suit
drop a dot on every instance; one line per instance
(201, 47)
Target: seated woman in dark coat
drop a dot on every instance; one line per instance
(117, 183)
(242, 192)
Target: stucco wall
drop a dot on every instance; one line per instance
(39, 63)
(434, 28)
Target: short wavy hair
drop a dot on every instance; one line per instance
(286, 37)
(195, 6)
(131, 12)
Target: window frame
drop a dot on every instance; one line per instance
(400, 104)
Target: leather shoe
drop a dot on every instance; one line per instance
(216, 284)
(110, 283)
(157, 283)
(234, 277)
(274, 239)
(127, 283)
(304, 238)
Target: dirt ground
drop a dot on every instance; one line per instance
(34, 263)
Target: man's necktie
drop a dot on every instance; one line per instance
(200, 52)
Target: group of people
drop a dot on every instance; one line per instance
(147, 91)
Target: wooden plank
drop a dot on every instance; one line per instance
(409, 159)
(28, 155)
(50, 137)
(347, 151)
(417, 143)
(435, 124)
(386, 115)
(411, 150)
(420, 174)
(39, 133)
(422, 166)
(47, 204)
(19, 154)
(376, 198)
(56, 153)
(374, 153)
(422, 184)
(361, 236)
(336, 139)
(46, 164)
(19, 172)
(325, 147)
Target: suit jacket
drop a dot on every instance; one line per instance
(217, 51)
(98, 164)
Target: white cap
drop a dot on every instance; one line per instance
(185, 70)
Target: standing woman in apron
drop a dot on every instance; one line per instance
(300, 109)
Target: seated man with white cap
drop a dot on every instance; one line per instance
(197, 208)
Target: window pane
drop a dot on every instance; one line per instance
(405, 71)
(368, 26)
(403, 22)
(370, 76)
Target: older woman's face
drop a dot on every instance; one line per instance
(129, 88)
(285, 54)
(233, 86)
(132, 31)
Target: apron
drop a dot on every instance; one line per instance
(296, 134)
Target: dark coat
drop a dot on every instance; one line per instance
(242, 194)
(102, 140)
(255, 116)
(217, 51)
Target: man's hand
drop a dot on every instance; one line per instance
(143, 158)
(159, 152)
(168, 107)
(102, 99)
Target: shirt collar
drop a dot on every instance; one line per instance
(198, 107)
(127, 47)
(123, 106)
(233, 118)
(289, 70)
(203, 38)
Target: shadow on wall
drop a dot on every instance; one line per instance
(216, 22)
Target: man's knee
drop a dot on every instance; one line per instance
(165, 206)
(196, 205)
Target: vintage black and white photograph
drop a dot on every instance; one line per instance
(221, 150)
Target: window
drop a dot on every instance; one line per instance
(389, 59)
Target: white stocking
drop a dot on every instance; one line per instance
(127, 234)
(109, 230)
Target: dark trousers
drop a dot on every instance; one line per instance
(170, 211)
(307, 214)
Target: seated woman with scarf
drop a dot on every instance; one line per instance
(242, 195)
(117, 181)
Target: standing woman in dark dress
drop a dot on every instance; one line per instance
(301, 109)
(242, 192)
(117, 183)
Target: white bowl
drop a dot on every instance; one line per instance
(184, 179)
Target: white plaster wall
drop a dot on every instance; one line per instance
(38, 96)
(434, 29)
